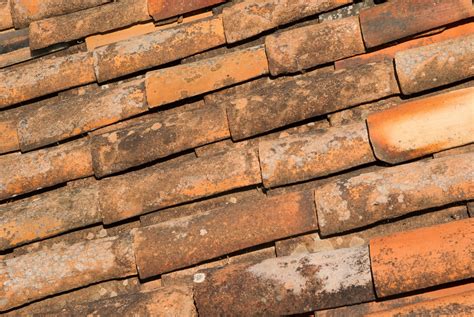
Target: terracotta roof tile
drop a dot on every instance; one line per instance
(313, 45)
(176, 184)
(371, 307)
(381, 24)
(454, 305)
(309, 95)
(43, 77)
(287, 285)
(37, 275)
(415, 129)
(189, 240)
(79, 24)
(161, 10)
(432, 256)
(161, 137)
(145, 51)
(176, 301)
(314, 243)
(5, 15)
(393, 192)
(314, 154)
(248, 18)
(169, 84)
(52, 123)
(346, 11)
(435, 65)
(455, 151)
(390, 51)
(24, 173)
(54, 212)
(25, 11)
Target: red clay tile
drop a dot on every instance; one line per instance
(146, 51)
(187, 276)
(189, 240)
(314, 243)
(52, 123)
(155, 187)
(25, 11)
(401, 18)
(24, 173)
(163, 9)
(99, 40)
(421, 258)
(425, 126)
(182, 81)
(5, 15)
(51, 271)
(158, 138)
(361, 310)
(435, 65)
(48, 214)
(312, 45)
(290, 100)
(355, 202)
(389, 52)
(360, 113)
(454, 305)
(313, 154)
(15, 57)
(173, 301)
(190, 209)
(286, 285)
(455, 151)
(247, 18)
(76, 25)
(87, 294)
(44, 76)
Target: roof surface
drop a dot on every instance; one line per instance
(236, 158)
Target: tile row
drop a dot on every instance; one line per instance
(314, 281)
(434, 66)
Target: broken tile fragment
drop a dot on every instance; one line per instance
(248, 18)
(179, 82)
(157, 138)
(79, 24)
(24, 173)
(189, 240)
(435, 65)
(351, 203)
(153, 188)
(313, 45)
(145, 51)
(287, 285)
(424, 126)
(51, 271)
(421, 258)
(290, 100)
(44, 76)
(382, 24)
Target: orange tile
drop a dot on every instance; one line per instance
(163, 9)
(190, 240)
(38, 274)
(401, 18)
(435, 65)
(179, 82)
(98, 40)
(421, 258)
(313, 45)
(424, 126)
(389, 52)
(5, 15)
(353, 202)
(248, 18)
